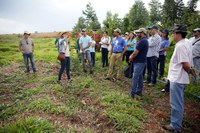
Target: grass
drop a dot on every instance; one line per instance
(39, 94)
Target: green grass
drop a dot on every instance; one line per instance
(23, 94)
(29, 125)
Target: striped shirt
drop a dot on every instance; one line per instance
(154, 45)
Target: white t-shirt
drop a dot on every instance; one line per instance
(105, 40)
(92, 47)
(182, 53)
(67, 53)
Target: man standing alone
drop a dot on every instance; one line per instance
(26, 46)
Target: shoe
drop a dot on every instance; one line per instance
(91, 72)
(169, 128)
(59, 81)
(108, 78)
(151, 84)
(84, 71)
(163, 90)
(144, 81)
(138, 93)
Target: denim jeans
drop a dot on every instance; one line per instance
(104, 52)
(87, 56)
(92, 58)
(26, 61)
(64, 64)
(177, 104)
(137, 79)
(197, 69)
(152, 68)
(161, 61)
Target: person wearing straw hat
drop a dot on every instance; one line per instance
(178, 75)
(26, 47)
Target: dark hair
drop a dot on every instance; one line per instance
(183, 34)
(167, 36)
(129, 38)
(105, 32)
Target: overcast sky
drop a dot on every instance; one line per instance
(16, 16)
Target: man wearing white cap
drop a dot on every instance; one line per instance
(26, 46)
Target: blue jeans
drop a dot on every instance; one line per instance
(137, 79)
(197, 69)
(104, 52)
(177, 104)
(64, 64)
(92, 58)
(152, 68)
(26, 61)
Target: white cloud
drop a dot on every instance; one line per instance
(11, 26)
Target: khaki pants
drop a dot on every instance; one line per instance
(115, 57)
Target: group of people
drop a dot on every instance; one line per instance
(143, 51)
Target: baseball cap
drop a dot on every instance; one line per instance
(197, 29)
(165, 31)
(117, 30)
(180, 28)
(83, 30)
(26, 32)
(141, 30)
(154, 27)
(126, 33)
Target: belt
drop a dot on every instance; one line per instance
(117, 52)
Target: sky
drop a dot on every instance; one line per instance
(16, 16)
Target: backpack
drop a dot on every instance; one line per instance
(128, 72)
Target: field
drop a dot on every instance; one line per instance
(37, 103)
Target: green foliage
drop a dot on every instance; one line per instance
(155, 11)
(137, 13)
(30, 125)
(124, 112)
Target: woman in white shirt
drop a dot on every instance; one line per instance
(92, 51)
(105, 42)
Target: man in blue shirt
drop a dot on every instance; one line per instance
(85, 43)
(139, 58)
(117, 52)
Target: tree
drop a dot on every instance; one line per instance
(91, 18)
(155, 11)
(138, 15)
(80, 25)
(111, 22)
(169, 13)
(179, 10)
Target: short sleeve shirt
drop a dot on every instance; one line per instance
(118, 45)
(85, 41)
(142, 47)
(164, 44)
(26, 45)
(133, 42)
(182, 53)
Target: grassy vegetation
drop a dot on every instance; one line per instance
(37, 103)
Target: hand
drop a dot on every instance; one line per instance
(130, 58)
(193, 72)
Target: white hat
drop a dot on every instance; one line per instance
(141, 30)
(117, 30)
(26, 32)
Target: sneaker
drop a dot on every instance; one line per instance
(138, 93)
(84, 71)
(151, 84)
(163, 90)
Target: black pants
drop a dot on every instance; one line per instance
(92, 58)
(104, 52)
(128, 53)
(161, 62)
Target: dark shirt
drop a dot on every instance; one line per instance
(142, 47)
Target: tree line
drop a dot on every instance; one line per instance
(165, 16)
